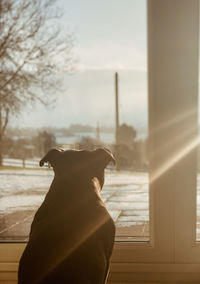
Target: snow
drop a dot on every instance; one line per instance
(126, 195)
(25, 189)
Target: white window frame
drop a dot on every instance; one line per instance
(173, 51)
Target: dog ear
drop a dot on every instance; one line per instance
(105, 156)
(50, 157)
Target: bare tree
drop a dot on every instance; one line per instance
(34, 50)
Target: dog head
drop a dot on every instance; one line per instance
(74, 164)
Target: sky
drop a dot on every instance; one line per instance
(110, 36)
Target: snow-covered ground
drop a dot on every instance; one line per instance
(22, 192)
(26, 188)
(13, 181)
(125, 194)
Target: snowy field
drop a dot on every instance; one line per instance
(126, 196)
(20, 188)
(22, 192)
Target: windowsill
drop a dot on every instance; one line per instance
(130, 272)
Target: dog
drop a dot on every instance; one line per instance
(72, 234)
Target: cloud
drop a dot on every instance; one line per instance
(108, 56)
(90, 98)
(108, 67)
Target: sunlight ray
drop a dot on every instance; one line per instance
(183, 116)
(181, 153)
(75, 243)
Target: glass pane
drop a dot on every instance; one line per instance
(198, 196)
(198, 206)
(104, 38)
(198, 185)
(198, 182)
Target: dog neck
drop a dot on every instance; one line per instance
(74, 189)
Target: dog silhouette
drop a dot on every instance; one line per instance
(72, 234)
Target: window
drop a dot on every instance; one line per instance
(111, 55)
(173, 250)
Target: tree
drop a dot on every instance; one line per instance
(89, 143)
(125, 149)
(33, 54)
(47, 141)
(126, 134)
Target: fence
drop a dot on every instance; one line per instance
(21, 163)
